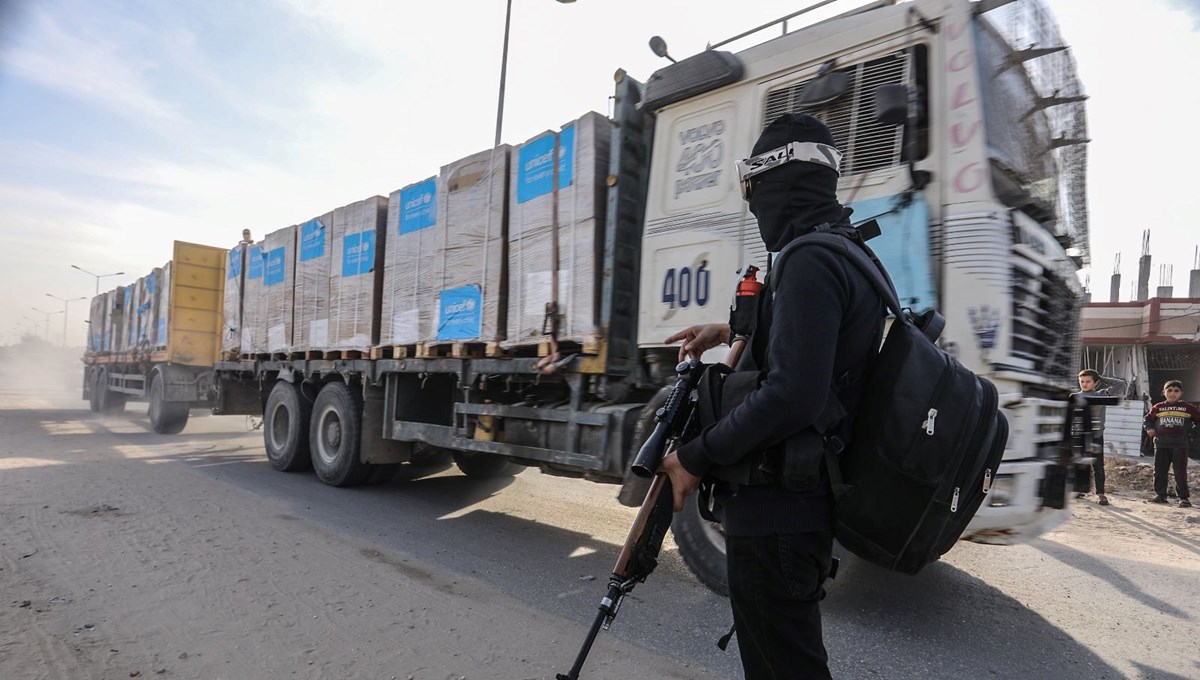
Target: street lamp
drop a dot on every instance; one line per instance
(504, 69)
(66, 303)
(48, 315)
(98, 276)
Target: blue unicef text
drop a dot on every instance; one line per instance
(535, 177)
(418, 206)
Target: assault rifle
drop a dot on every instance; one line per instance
(639, 556)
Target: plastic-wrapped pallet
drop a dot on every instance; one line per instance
(231, 306)
(253, 331)
(444, 271)
(162, 305)
(279, 286)
(114, 321)
(148, 319)
(314, 253)
(96, 320)
(356, 279)
(133, 299)
(583, 167)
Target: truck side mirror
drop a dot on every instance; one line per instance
(891, 104)
(823, 91)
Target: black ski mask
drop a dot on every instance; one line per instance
(791, 199)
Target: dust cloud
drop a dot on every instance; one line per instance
(36, 368)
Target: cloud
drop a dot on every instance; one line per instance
(1192, 7)
(83, 62)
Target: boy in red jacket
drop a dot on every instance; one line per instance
(1169, 422)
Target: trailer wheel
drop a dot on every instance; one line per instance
(285, 428)
(93, 381)
(166, 417)
(334, 436)
(484, 465)
(108, 401)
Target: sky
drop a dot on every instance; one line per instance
(126, 125)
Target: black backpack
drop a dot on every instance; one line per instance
(926, 439)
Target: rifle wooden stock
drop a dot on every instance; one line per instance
(647, 532)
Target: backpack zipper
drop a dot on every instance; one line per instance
(987, 480)
(929, 421)
(954, 501)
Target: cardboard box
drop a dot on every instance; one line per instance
(582, 194)
(253, 332)
(279, 285)
(231, 305)
(356, 279)
(163, 305)
(314, 253)
(445, 255)
(96, 320)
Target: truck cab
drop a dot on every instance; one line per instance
(979, 192)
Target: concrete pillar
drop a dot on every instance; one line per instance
(1143, 282)
(1114, 291)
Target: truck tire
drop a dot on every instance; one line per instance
(166, 417)
(484, 465)
(334, 436)
(702, 546)
(93, 381)
(108, 401)
(285, 428)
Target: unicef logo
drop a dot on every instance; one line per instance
(464, 307)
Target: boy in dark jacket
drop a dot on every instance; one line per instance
(1169, 423)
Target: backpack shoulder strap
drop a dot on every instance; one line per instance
(862, 257)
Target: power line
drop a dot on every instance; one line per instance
(1141, 323)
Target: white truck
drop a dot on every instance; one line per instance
(963, 133)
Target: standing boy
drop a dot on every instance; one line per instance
(1169, 423)
(1090, 382)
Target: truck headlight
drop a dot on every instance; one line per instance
(1002, 491)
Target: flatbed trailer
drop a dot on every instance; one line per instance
(177, 376)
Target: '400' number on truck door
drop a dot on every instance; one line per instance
(685, 286)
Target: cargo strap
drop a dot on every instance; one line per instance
(551, 322)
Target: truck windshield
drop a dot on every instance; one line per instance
(1035, 120)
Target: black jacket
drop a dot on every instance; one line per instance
(825, 322)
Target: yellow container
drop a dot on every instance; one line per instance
(197, 291)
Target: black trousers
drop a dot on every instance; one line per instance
(774, 587)
(1164, 458)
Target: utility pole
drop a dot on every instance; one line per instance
(66, 304)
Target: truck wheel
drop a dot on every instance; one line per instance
(334, 436)
(108, 401)
(166, 417)
(702, 546)
(94, 391)
(285, 428)
(484, 465)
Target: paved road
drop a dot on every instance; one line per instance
(439, 576)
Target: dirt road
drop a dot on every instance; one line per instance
(128, 554)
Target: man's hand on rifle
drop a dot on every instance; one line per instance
(699, 339)
(683, 483)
